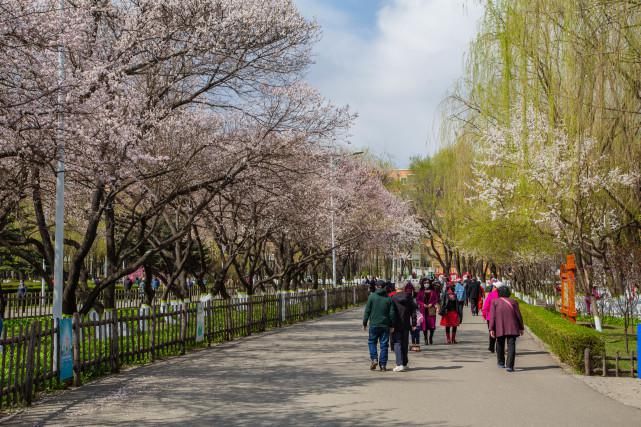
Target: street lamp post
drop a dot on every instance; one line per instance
(58, 266)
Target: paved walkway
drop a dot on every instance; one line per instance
(317, 373)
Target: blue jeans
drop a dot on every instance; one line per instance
(377, 333)
(401, 342)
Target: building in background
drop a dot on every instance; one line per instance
(401, 175)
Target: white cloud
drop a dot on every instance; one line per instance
(394, 72)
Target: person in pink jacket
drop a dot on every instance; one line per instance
(494, 294)
(420, 301)
(506, 324)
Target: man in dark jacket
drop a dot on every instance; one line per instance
(404, 322)
(380, 314)
(473, 293)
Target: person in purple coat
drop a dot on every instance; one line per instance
(506, 324)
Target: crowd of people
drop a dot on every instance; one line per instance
(396, 314)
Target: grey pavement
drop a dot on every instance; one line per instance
(317, 373)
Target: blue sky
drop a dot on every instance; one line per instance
(393, 62)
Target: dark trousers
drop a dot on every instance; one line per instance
(431, 334)
(511, 350)
(459, 310)
(416, 336)
(401, 343)
(492, 340)
(474, 303)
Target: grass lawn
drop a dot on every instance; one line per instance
(614, 337)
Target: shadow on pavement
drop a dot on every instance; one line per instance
(297, 376)
(537, 368)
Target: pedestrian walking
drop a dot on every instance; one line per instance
(405, 321)
(391, 289)
(461, 297)
(479, 305)
(449, 313)
(371, 283)
(431, 308)
(486, 313)
(473, 293)
(421, 302)
(380, 313)
(416, 331)
(506, 324)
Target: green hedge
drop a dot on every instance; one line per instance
(567, 340)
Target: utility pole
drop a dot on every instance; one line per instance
(58, 267)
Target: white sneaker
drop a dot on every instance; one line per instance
(399, 368)
(405, 368)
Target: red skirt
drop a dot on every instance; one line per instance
(450, 319)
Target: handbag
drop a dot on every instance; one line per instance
(431, 311)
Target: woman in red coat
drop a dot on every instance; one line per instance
(506, 324)
(449, 313)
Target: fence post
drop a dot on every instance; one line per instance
(229, 333)
(587, 362)
(638, 349)
(76, 327)
(152, 338)
(209, 315)
(28, 390)
(354, 292)
(263, 308)
(250, 314)
(183, 327)
(283, 305)
(326, 306)
(115, 348)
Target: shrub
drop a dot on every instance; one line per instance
(567, 340)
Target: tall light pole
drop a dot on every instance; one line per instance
(58, 267)
(60, 181)
(331, 207)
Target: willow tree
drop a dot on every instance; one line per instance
(555, 86)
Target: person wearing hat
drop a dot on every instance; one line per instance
(494, 294)
(405, 321)
(380, 313)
